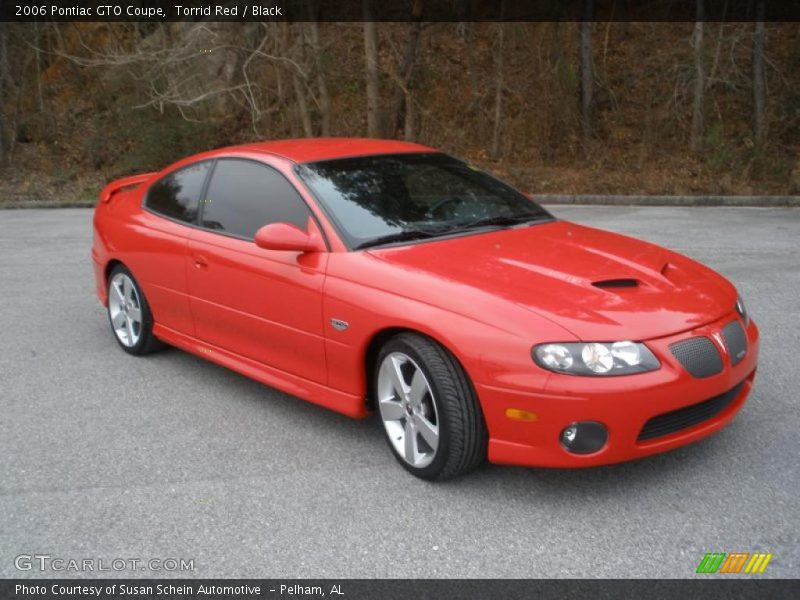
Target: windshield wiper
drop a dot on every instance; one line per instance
(402, 236)
(500, 220)
(422, 234)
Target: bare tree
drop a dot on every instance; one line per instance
(409, 122)
(3, 88)
(587, 73)
(322, 85)
(474, 80)
(37, 39)
(498, 91)
(373, 81)
(198, 68)
(699, 81)
(299, 87)
(402, 94)
(759, 78)
(720, 35)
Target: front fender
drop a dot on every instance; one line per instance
(490, 355)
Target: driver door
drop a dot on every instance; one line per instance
(261, 304)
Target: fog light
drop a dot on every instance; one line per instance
(584, 437)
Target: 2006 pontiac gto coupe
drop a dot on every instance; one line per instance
(369, 275)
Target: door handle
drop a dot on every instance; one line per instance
(199, 261)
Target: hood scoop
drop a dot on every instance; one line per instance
(605, 284)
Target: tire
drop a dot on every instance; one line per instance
(129, 314)
(428, 409)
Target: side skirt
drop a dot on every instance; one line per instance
(347, 404)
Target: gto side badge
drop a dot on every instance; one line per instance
(339, 325)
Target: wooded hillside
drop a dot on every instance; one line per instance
(666, 108)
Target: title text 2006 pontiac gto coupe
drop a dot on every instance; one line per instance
(368, 275)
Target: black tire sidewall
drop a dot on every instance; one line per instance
(433, 470)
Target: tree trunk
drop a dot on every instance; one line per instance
(3, 86)
(300, 88)
(373, 83)
(322, 86)
(409, 133)
(36, 48)
(278, 32)
(498, 92)
(302, 105)
(759, 79)
(720, 35)
(402, 94)
(699, 81)
(474, 81)
(587, 74)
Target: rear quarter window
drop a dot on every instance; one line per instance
(177, 195)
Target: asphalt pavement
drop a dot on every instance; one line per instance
(106, 456)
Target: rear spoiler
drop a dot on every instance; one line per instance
(120, 184)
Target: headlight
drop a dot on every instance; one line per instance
(740, 308)
(595, 358)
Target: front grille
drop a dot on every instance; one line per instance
(735, 341)
(689, 416)
(698, 355)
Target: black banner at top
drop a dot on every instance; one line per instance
(398, 10)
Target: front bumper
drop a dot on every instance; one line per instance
(623, 404)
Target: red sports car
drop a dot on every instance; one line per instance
(371, 275)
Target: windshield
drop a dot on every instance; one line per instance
(383, 199)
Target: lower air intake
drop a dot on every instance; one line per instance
(689, 416)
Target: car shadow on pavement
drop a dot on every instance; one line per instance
(349, 440)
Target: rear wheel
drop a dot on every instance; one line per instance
(428, 408)
(129, 314)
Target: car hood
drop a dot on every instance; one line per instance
(597, 285)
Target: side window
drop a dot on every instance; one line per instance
(243, 196)
(178, 194)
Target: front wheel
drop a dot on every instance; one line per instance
(429, 409)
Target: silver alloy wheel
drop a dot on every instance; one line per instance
(125, 309)
(408, 410)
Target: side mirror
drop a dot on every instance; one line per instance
(289, 238)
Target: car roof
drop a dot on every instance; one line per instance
(315, 149)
